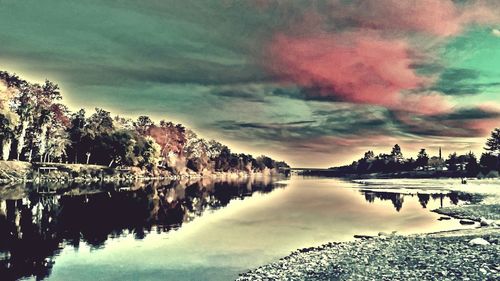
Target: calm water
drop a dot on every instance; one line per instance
(197, 231)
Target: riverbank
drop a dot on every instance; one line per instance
(12, 172)
(427, 174)
(449, 256)
(471, 254)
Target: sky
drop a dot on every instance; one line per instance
(314, 83)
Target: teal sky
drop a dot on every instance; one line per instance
(310, 82)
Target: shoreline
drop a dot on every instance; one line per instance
(392, 258)
(394, 175)
(401, 257)
(14, 172)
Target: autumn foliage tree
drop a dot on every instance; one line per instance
(36, 126)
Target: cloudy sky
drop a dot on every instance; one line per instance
(315, 83)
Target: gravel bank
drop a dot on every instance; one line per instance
(435, 256)
(472, 212)
(423, 257)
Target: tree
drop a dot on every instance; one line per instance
(143, 124)
(214, 149)
(54, 137)
(24, 105)
(97, 130)
(9, 120)
(265, 162)
(122, 123)
(34, 105)
(452, 162)
(170, 137)
(472, 167)
(7, 126)
(369, 155)
(493, 142)
(396, 152)
(409, 164)
(489, 162)
(151, 155)
(11, 80)
(76, 132)
(223, 159)
(422, 158)
(57, 143)
(196, 151)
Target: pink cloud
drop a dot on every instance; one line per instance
(360, 51)
(490, 107)
(482, 127)
(358, 67)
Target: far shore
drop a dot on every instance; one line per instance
(429, 174)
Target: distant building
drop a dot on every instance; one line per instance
(437, 163)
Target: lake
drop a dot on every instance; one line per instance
(204, 230)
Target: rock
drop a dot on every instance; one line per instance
(486, 222)
(467, 222)
(363, 236)
(383, 233)
(444, 218)
(478, 241)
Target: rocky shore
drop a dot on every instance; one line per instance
(450, 256)
(472, 254)
(481, 212)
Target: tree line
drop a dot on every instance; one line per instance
(465, 164)
(36, 126)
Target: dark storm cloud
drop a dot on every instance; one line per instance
(342, 122)
(239, 93)
(306, 94)
(163, 75)
(427, 68)
(351, 123)
(458, 81)
(289, 126)
(464, 122)
(467, 114)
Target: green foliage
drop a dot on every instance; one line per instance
(493, 142)
(471, 167)
(369, 155)
(422, 158)
(150, 152)
(452, 162)
(489, 162)
(396, 152)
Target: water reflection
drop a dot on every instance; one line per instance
(34, 228)
(397, 199)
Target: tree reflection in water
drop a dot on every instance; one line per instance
(397, 199)
(35, 228)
